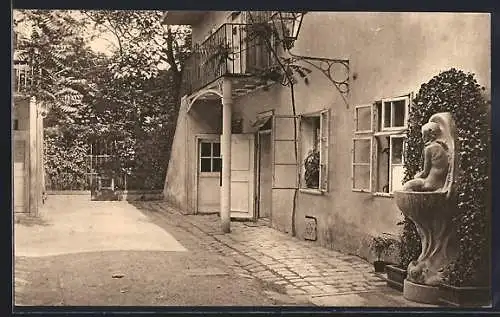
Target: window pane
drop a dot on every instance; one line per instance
(205, 149)
(205, 165)
(216, 149)
(363, 122)
(397, 177)
(217, 167)
(361, 177)
(361, 151)
(398, 114)
(397, 150)
(387, 114)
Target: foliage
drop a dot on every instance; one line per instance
(381, 245)
(459, 93)
(311, 165)
(53, 46)
(128, 96)
(409, 246)
(65, 170)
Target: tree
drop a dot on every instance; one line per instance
(51, 43)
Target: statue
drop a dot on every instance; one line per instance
(436, 157)
(429, 202)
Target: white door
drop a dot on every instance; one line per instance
(209, 169)
(242, 176)
(265, 174)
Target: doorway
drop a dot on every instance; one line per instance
(209, 172)
(264, 174)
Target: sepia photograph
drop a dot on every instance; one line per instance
(251, 159)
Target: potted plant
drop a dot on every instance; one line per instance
(311, 165)
(466, 281)
(380, 246)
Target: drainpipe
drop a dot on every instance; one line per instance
(225, 201)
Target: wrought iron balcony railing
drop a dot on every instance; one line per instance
(231, 49)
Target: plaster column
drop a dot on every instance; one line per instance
(225, 201)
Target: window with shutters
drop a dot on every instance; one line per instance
(314, 136)
(378, 145)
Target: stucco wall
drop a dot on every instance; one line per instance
(390, 54)
(204, 117)
(175, 182)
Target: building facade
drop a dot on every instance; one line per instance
(27, 141)
(354, 132)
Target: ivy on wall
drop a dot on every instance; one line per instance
(458, 93)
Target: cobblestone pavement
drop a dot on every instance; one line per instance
(298, 268)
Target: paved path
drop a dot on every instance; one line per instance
(300, 268)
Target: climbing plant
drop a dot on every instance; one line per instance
(458, 93)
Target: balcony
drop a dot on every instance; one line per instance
(227, 52)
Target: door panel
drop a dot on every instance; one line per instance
(242, 176)
(208, 171)
(265, 175)
(208, 194)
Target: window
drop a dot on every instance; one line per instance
(16, 124)
(210, 159)
(314, 130)
(378, 145)
(394, 113)
(361, 168)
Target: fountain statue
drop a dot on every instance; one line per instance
(429, 202)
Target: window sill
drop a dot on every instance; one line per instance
(311, 191)
(388, 195)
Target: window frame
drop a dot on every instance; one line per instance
(391, 128)
(369, 163)
(377, 129)
(318, 141)
(211, 157)
(391, 164)
(370, 106)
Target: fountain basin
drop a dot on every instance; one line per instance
(432, 214)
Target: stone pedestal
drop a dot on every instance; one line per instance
(432, 214)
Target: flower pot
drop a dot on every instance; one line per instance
(395, 277)
(466, 296)
(379, 266)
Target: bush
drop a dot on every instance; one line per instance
(410, 245)
(458, 93)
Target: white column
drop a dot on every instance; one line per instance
(225, 202)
